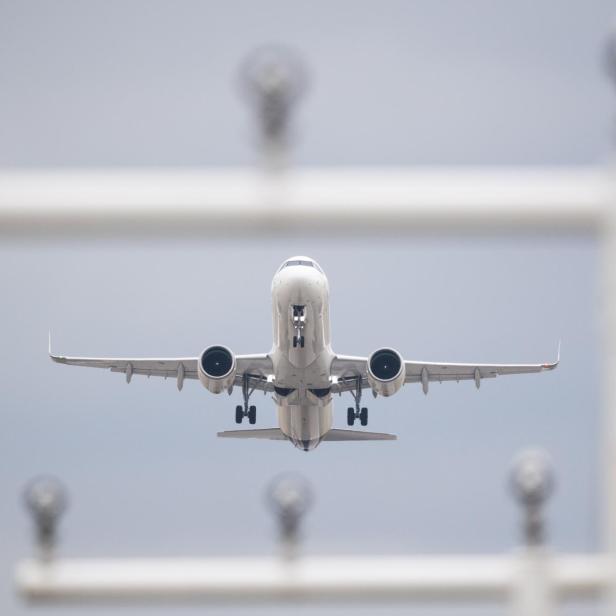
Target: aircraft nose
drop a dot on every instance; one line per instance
(297, 279)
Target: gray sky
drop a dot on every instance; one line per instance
(153, 83)
(146, 471)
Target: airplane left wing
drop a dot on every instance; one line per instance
(348, 369)
(427, 372)
(255, 367)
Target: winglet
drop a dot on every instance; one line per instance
(55, 358)
(553, 365)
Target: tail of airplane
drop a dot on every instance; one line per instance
(276, 434)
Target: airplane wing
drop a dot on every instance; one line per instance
(256, 367)
(348, 369)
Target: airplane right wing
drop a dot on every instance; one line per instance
(257, 368)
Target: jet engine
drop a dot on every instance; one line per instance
(386, 372)
(217, 369)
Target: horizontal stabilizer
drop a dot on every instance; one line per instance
(356, 435)
(271, 434)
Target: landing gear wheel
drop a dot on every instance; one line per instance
(363, 416)
(244, 410)
(294, 341)
(350, 416)
(301, 341)
(239, 414)
(357, 412)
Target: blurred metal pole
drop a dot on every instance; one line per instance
(273, 79)
(46, 500)
(289, 497)
(608, 433)
(533, 592)
(532, 483)
(608, 290)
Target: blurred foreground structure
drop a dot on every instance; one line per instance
(532, 580)
(193, 202)
(178, 203)
(238, 202)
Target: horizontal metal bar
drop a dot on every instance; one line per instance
(190, 201)
(442, 578)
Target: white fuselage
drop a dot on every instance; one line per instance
(300, 304)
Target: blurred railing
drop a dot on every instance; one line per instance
(532, 580)
(346, 200)
(171, 203)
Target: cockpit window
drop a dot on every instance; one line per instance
(301, 262)
(298, 262)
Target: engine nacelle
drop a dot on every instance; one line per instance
(386, 372)
(217, 369)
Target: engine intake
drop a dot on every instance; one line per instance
(386, 371)
(217, 369)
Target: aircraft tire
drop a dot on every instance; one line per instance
(350, 416)
(239, 414)
(252, 415)
(363, 416)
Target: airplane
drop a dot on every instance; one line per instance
(302, 372)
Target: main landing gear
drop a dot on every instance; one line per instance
(246, 410)
(357, 412)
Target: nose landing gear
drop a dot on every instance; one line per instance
(298, 320)
(357, 412)
(246, 410)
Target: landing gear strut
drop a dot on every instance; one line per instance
(357, 412)
(246, 410)
(298, 320)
